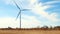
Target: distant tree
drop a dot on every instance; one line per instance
(51, 28)
(44, 27)
(57, 27)
(9, 28)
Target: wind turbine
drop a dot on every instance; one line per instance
(19, 14)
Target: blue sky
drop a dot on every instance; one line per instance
(42, 12)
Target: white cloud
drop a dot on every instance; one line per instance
(51, 2)
(40, 10)
(32, 2)
(30, 21)
(27, 22)
(8, 22)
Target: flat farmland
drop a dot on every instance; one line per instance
(29, 31)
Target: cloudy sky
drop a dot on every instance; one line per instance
(42, 12)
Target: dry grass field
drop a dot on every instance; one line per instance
(29, 31)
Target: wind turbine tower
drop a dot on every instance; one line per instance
(19, 14)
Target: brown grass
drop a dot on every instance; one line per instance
(29, 31)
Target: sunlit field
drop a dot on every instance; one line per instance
(33, 31)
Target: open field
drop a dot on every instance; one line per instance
(29, 31)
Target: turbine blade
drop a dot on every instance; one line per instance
(18, 8)
(16, 5)
(25, 9)
(18, 14)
